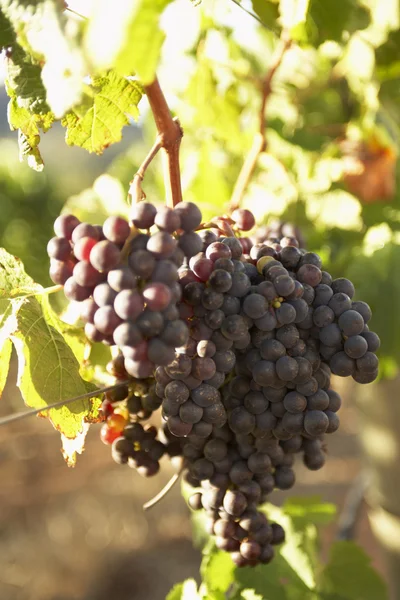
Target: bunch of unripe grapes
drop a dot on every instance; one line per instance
(233, 337)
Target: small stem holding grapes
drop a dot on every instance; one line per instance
(36, 411)
(170, 136)
(136, 193)
(174, 479)
(260, 141)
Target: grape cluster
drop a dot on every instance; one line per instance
(235, 338)
(127, 279)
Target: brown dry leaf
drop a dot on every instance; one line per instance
(369, 171)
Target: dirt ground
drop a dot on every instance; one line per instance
(81, 534)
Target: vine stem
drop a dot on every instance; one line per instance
(170, 134)
(260, 141)
(174, 479)
(30, 413)
(136, 193)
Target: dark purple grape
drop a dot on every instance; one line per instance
(150, 323)
(355, 346)
(84, 230)
(284, 285)
(59, 248)
(339, 303)
(331, 335)
(74, 291)
(287, 368)
(235, 503)
(60, 271)
(323, 316)
(343, 286)
(161, 244)
(64, 225)
(142, 215)
(342, 365)
(363, 309)
(105, 256)
(351, 322)
(315, 422)
(121, 278)
(106, 320)
(309, 274)
(368, 363)
(116, 229)
(128, 304)
(318, 401)
(372, 340)
(127, 334)
(284, 478)
(241, 420)
(288, 335)
(294, 402)
(167, 219)
(189, 214)
(255, 306)
(190, 243)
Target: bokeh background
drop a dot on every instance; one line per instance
(81, 534)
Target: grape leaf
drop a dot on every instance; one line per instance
(184, 591)
(209, 185)
(50, 354)
(267, 11)
(216, 569)
(331, 19)
(5, 357)
(28, 110)
(310, 509)
(99, 120)
(48, 372)
(134, 40)
(250, 595)
(349, 575)
(53, 44)
(7, 34)
(293, 12)
(14, 281)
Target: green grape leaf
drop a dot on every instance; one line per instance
(310, 509)
(332, 19)
(53, 45)
(5, 357)
(388, 53)
(267, 11)
(350, 576)
(14, 281)
(7, 33)
(209, 186)
(216, 112)
(27, 110)
(250, 595)
(99, 120)
(50, 354)
(184, 591)
(300, 549)
(293, 13)
(216, 569)
(134, 43)
(280, 579)
(48, 372)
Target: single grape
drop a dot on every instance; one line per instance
(116, 229)
(64, 225)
